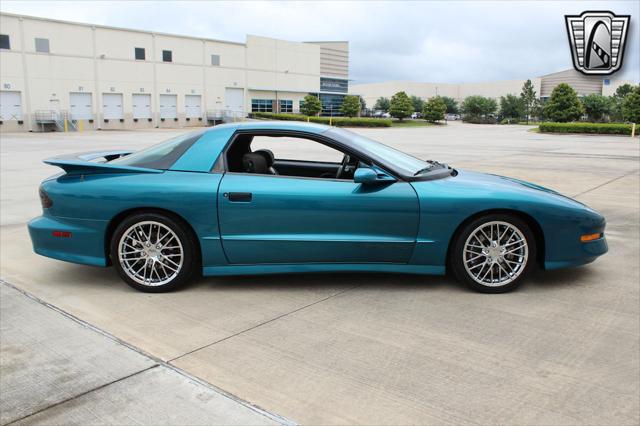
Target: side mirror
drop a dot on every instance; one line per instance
(367, 176)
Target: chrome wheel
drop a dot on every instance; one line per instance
(495, 253)
(150, 253)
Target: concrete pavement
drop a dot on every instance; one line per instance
(376, 348)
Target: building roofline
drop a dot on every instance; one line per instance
(109, 27)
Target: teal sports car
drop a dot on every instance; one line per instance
(280, 197)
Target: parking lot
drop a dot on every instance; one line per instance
(79, 346)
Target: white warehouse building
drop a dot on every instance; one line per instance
(56, 75)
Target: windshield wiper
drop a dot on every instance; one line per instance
(432, 165)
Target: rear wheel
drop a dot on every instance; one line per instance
(153, 252)
(494, 253)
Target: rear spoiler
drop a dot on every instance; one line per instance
(82, 164)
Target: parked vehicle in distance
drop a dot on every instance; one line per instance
(416, 115)
(452, 117)
(279, 197)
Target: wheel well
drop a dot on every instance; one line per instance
(115, 221)
(533, 224)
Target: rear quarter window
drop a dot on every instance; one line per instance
(161, 156)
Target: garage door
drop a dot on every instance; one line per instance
(10, 106)
(192, 106)
(80, 106)
(168, 106)
(141, 106)
(112, 106)
(234, 100)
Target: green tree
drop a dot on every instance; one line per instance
(363, 104)
(596, 107)
(479, 106)
(311, 105)
(382, 104)
(417, 102)
(452, 105)
(350, 106)
(434, 109)
(511, 107)
(616, 100)
(631, 106)
(529, 99)
(400, 106)
(563, 105)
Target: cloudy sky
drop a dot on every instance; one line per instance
(463, 41)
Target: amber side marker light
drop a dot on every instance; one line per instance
(590, 237)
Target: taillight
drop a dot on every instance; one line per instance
(44, 199)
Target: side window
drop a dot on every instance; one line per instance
(298, 149)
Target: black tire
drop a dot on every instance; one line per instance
(457, 260)
(182, 275)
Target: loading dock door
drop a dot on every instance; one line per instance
(141, 106)
(168, 106)
(80, 107)
(10, 106)
(112, 106)
(234, 101)
(192, 106)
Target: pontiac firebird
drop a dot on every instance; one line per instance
(213, 203)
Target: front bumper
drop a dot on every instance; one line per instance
(70, 240)
(588, 252)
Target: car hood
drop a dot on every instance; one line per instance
(490, 186)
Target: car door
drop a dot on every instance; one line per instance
(268, 219)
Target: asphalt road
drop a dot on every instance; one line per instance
(80, 346)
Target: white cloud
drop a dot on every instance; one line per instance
(422, 41)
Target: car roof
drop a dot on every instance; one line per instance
(299, 126)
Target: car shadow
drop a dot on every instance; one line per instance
(338, 280)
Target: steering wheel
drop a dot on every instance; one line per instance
(344, 166)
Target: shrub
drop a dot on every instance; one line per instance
(563, 105)
(434, 109)
(479, 120)
(400, 106)
(477, 108)
(596, 128)
(335, 121)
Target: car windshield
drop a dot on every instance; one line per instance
(404, 163)
(161, 156)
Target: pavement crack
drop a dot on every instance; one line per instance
(606, 183)
(158, 361)
(265, 322)
(74, 397)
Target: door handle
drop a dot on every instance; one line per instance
(239, 197)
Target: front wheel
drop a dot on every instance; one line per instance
(153, 252)
(494, 253)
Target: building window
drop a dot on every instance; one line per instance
(334, 85)
(607, 82)
(42, 45)
(215, 60)
(286, 106)
(4, 42)
(140, 53)
(167, 56)
(261, 105)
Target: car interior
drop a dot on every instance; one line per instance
(285, 155)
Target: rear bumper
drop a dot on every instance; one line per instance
(588, 252)
(70, 240)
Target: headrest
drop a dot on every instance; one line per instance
(254, 163)
(268, 156)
